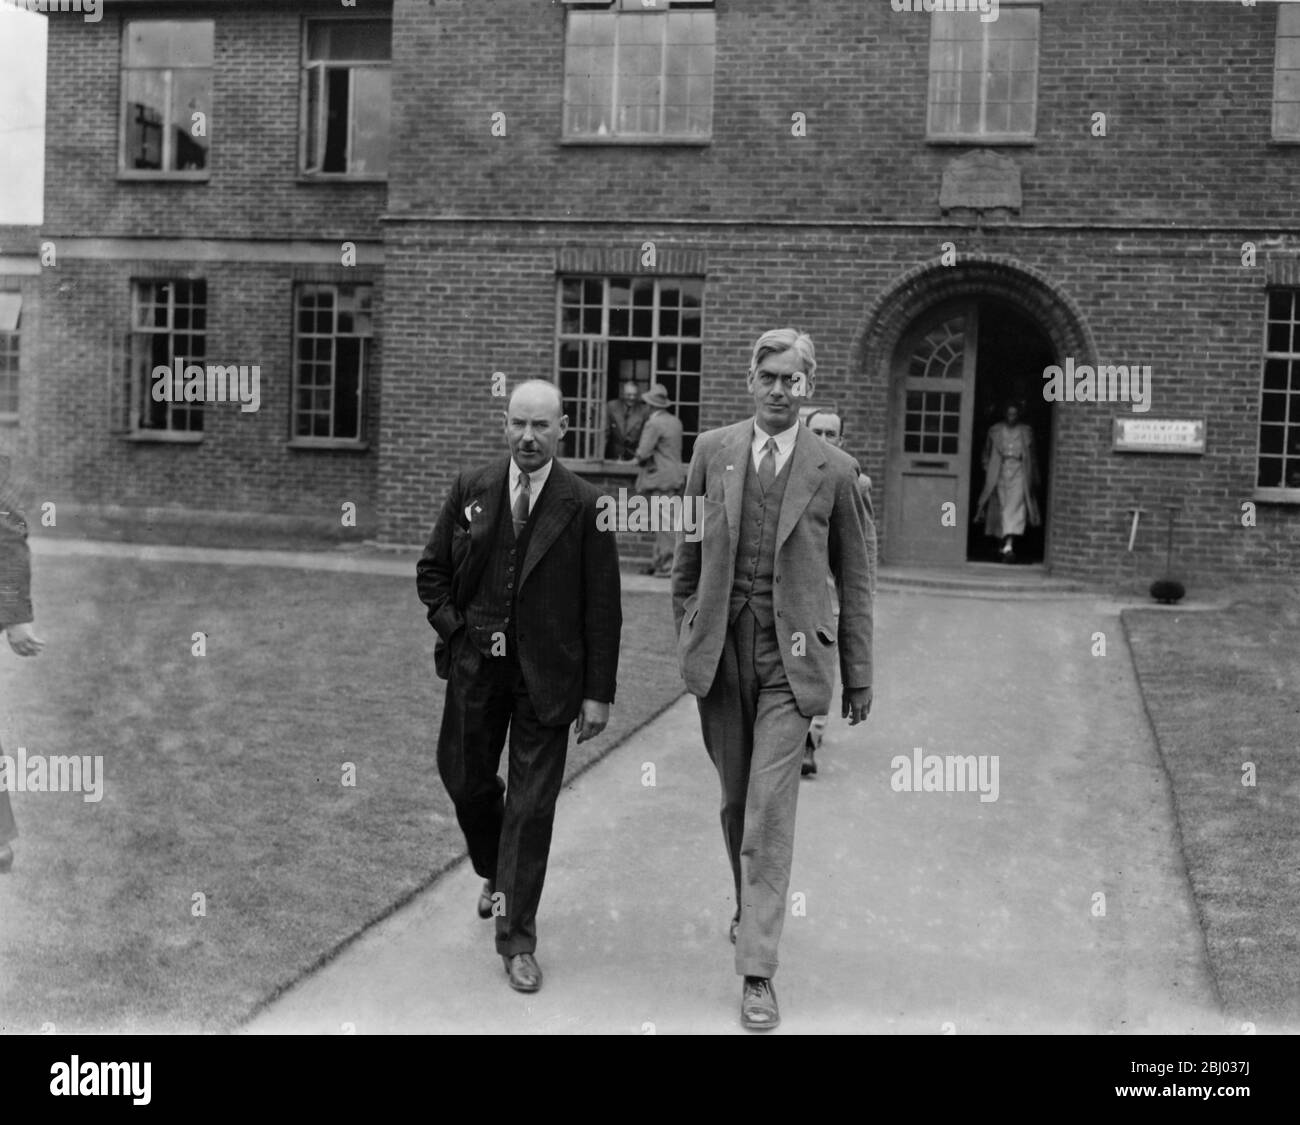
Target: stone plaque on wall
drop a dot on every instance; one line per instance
(981, 181)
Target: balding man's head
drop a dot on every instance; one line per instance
(535, 423)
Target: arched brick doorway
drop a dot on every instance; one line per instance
(918, 363)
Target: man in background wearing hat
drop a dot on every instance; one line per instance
(659, 453)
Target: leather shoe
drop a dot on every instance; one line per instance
(523, 972)
(485, 900)
(809, 766)
(6, 858)
(758, 1010)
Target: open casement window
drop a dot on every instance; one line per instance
(346, 99)
(1286, 74)
(983, 76)
(612, 330)
(637, 71)
(333, 333)
(169, 321)
(166, 97)
(1279, 411)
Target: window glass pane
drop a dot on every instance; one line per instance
(370, 130)
(191, 94)
(335, 155)
(169, 43)
(350, 40)
(146, 108)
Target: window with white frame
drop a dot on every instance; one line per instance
(637, 71)
(166, 96)
(1279, 411)
(983, 76)
(346, 98)
(612, 330)
(1286, 75)
(169, 324)
(333, 331)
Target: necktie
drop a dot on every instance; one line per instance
(520, 512)
(767, 465)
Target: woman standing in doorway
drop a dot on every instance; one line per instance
(1010, 481)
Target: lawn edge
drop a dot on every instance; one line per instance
(393, 907)
(1201, 922)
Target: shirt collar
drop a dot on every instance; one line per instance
(784, 440)
(536, 478)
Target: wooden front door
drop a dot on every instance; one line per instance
(931, 411)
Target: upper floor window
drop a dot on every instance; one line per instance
(1286, 74)
(1279, 412)
(983, 76)
(347, 83)
(638, 71)
(166, 97)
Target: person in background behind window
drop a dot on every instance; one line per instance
(624, 418)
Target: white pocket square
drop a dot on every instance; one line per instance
(471, 511)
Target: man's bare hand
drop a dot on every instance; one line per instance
(857, 705)
(23, 641)
(591, 720)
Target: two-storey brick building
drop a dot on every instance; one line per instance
(951, 203)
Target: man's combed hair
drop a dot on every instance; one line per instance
(781, 340)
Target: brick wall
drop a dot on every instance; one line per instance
(243, 461)
(254, 191)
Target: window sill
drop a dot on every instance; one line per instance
(164, 177)
(328, 445)
(337, 178)
(647, 141)
(984, 142)
(1286, 496)
(1283, 142)
(162, 437)
(598, 466)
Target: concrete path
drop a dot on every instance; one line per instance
(923, 911)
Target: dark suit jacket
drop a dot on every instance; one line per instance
(822, 527)
(623, 425)
(15, 567)
(568, 614)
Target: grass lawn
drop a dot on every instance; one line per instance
(1222, 690)
(224, 777)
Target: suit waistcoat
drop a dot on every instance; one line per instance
(751, 583)
(492, 608)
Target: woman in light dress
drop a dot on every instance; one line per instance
(1009, 497)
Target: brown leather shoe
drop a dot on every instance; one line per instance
(758, 1010)
(485, 900)
(523, 972)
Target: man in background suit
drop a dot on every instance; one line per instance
(828, 426)
(523, 590)
(625, 417)
(659, 454)
(15, 619)
(757, 636)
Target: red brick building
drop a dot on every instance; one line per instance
(588, 191)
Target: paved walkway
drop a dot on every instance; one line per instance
(923, 910)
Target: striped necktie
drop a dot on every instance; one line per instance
(520, 512)
(767, 465)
